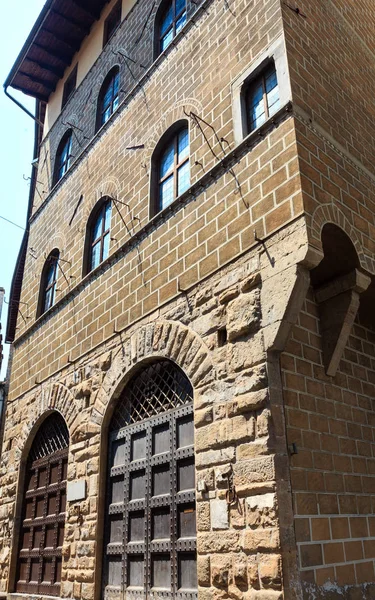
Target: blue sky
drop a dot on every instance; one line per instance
(16, 147)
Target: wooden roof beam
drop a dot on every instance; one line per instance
(63, 39)
(37, 80)
(90, 12)
(65, 58)
(54, 70)
(80, 26)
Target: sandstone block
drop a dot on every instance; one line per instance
(203, 570)
(219, 514)
(240, 570)
(261, 511)
(226, 541)
(260, 540)
(258, 470)
(214, 457)
(203, 416)
(270, 571)
(243, 355)
(221, 570)
(248, 402)
(252, 450)
(243, 315)
(203, 516)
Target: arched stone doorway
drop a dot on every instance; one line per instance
(150, 532)
(41, 535)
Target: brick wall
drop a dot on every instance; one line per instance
(331, 421)
(216, 223)
(332, 69)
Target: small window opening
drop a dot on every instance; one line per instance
(262, 98)
(112, 22)
(222, 337)
(172, 20)
(69, 86)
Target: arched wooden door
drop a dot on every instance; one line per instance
(150, 546)
(43, 512)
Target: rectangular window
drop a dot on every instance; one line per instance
(262, 98)
(112, 22)
(69, 86)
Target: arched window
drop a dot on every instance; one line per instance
(169, 21)
(150, 533)
(108, 97)
(171, 168)
(43, 511)
(63, 157)
(98, 235)
(48, 284)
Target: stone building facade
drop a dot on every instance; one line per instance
(253, 285)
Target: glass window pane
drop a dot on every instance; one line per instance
(166, 192)
(166, 40)
(108, 211)
(183, 145)
(105, 246)
(95, 256)
(116, 84)
(183, 178)
(167, 160)
(167, 21)
(180, 22)
(106, 115)
(115, 103)
(97, 229)
(48, 302)
(180, 6)
(271, 80)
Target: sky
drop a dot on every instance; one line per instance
(16, 147)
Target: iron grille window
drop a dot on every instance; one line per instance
(108, 97)
(150, 546)
(100, 235)
(262, 98)
(112, 22)
(63, 156)
(43, 513)
(69, 86)
(173, 169)
(171, 22)
(50, 281)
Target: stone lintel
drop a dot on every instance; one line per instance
(338, 306)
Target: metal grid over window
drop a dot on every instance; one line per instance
(43, 514)
(150, 549)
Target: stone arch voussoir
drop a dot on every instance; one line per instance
(174, 114)
(331, 213)
(52, 397)
(161, 339)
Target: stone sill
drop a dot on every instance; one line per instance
(223, 166)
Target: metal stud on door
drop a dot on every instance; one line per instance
(150, 550)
